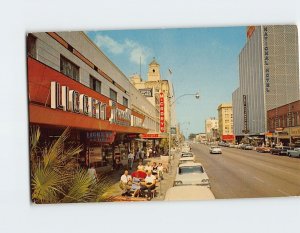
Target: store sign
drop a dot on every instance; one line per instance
(153, 135)
(95, 154)
(245, 114)
(72, 101)
(136, 121)
(295, 131)
(162, 112)
(250, 31)
(101, 136)
(228, 137)
(266, 59)
(148, 92)
(119, 116)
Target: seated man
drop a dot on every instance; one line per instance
(149, 183)
(125, 182)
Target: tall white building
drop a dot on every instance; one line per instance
(211, 127)
(268, 76)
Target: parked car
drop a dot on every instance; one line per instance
(186, 149)
(186, 159)
(215, 150)
(280, 150)
(187, 154)
(294, 153)
(188, 193)
(263, 149)
(191, 174)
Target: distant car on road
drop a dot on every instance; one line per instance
(189, 193)
(191, 174)
(263, 149)
(246, 147)
(294, 153)
(280, 150)
(215, 150)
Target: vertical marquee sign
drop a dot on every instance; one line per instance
(266, 58)
(245, 115)
(161, 112)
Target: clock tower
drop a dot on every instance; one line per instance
(153, 71)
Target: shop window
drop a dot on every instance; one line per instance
(113, 94)
(31, 45)
(68, 68)
(95, 84)
(125, 102)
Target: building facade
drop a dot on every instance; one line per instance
(284, 124)
(71, 83)
(225, 116)
(211, 128)
(268, 76)
(160, 94)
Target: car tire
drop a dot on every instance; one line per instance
(289, 154)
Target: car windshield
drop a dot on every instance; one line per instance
(187, 155)
(215, 147)
(190, 169)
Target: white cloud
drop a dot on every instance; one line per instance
(133, 50)
(109, 43)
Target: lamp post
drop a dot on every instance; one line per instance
(197, 96)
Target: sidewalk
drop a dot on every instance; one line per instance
(164, 185)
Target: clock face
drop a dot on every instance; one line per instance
(153, 70)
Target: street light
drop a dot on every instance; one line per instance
(197, 96)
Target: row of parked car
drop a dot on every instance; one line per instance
(191, 180)
(277, 150)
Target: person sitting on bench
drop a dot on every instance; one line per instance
(149, 183)
(125, 182)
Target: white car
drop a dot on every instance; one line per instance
(191, 173)
(215, 150)
(187, 156)
(185, 149)
(189, 193)
(186, 159)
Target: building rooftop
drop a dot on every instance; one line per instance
(225, 105)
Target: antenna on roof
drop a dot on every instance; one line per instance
(140, 66)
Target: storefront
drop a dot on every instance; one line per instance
(227, 138)
(96, 122)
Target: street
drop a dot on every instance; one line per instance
(247, 174)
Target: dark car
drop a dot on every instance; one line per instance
(280, 150)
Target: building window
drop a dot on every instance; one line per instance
(95, 84)
(125, 102)
(31, 45)
(68, 68)
(113, 95)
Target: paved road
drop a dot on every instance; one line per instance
(243, 174)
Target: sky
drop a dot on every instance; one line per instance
(203, 60)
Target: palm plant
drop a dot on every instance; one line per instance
(56, 176)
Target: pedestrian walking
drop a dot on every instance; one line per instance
(142, 155)
(130, 159)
